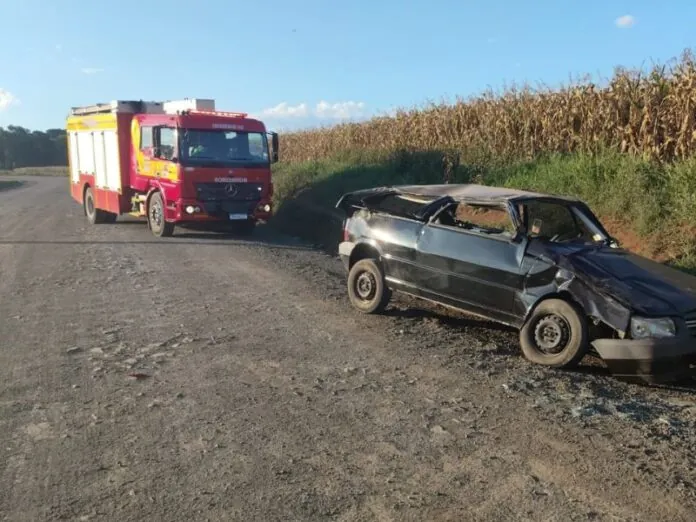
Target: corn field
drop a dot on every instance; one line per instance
(650, 114)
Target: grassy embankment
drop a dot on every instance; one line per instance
(36, 171)
(628, 149)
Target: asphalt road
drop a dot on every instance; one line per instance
(207, 378)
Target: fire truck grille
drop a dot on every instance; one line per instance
(221, 192)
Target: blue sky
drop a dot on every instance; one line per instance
(298, 63)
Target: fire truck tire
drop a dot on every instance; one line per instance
(94, 215)
(155, 217)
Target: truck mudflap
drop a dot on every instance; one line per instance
(651, 361)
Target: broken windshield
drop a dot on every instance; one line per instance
(559, 222)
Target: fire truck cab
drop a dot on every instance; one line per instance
(174, 163)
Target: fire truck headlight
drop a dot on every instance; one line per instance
(267, 208)
(189, 209)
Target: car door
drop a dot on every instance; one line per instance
(471, 263)
(393, 225)
(396, 238)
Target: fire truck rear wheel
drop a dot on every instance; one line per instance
(94, 215)
(155, 217)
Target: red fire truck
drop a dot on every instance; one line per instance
(178, 162)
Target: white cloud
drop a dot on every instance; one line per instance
(625, 21)
(284, 110)
(339, 111)
(323, 110)
(7, 99)
(91, 70)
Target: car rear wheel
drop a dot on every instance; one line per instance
(155, 217)
(367, 289)
(555, 335)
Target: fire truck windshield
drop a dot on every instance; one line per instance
(214, 148)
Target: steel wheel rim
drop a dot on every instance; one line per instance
(366, 286)
(156, 215)
(551, 334)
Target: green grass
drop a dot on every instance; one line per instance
(36, 171)
(653, 206)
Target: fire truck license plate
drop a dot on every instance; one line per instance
(237, 216)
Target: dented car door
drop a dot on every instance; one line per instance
(473, 265)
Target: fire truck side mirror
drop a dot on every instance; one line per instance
(274, 147)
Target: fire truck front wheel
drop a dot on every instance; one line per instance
(94, 215)
(155, 217)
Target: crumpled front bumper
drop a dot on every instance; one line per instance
(653, 361)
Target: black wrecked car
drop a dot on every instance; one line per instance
(540, 263)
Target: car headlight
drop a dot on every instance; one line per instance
(644, 328)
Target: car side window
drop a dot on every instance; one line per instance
(553, 220)
(399, 205)
(485, 219)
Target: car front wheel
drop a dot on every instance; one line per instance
(366, 287)
(555, 335)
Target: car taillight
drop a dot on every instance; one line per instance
(346, 234)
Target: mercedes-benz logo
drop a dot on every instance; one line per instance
(231, 189)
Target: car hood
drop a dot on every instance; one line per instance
(647, 287)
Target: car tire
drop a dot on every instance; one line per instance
(367, 288)
(555, 334)
(155, 217)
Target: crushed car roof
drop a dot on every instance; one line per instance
(472, 191)
(458, 192)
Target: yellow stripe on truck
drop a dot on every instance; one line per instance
(151, 168)
(93, 122)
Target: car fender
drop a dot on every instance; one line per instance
(363, 245)
(594, 304)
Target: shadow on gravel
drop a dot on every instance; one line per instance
(11, 184)
(231, 241)
(447, 320)
(686, 386)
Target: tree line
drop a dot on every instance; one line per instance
(20, 147)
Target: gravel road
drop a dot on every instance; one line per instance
(207, 378)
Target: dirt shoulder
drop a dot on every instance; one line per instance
(219, 379)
